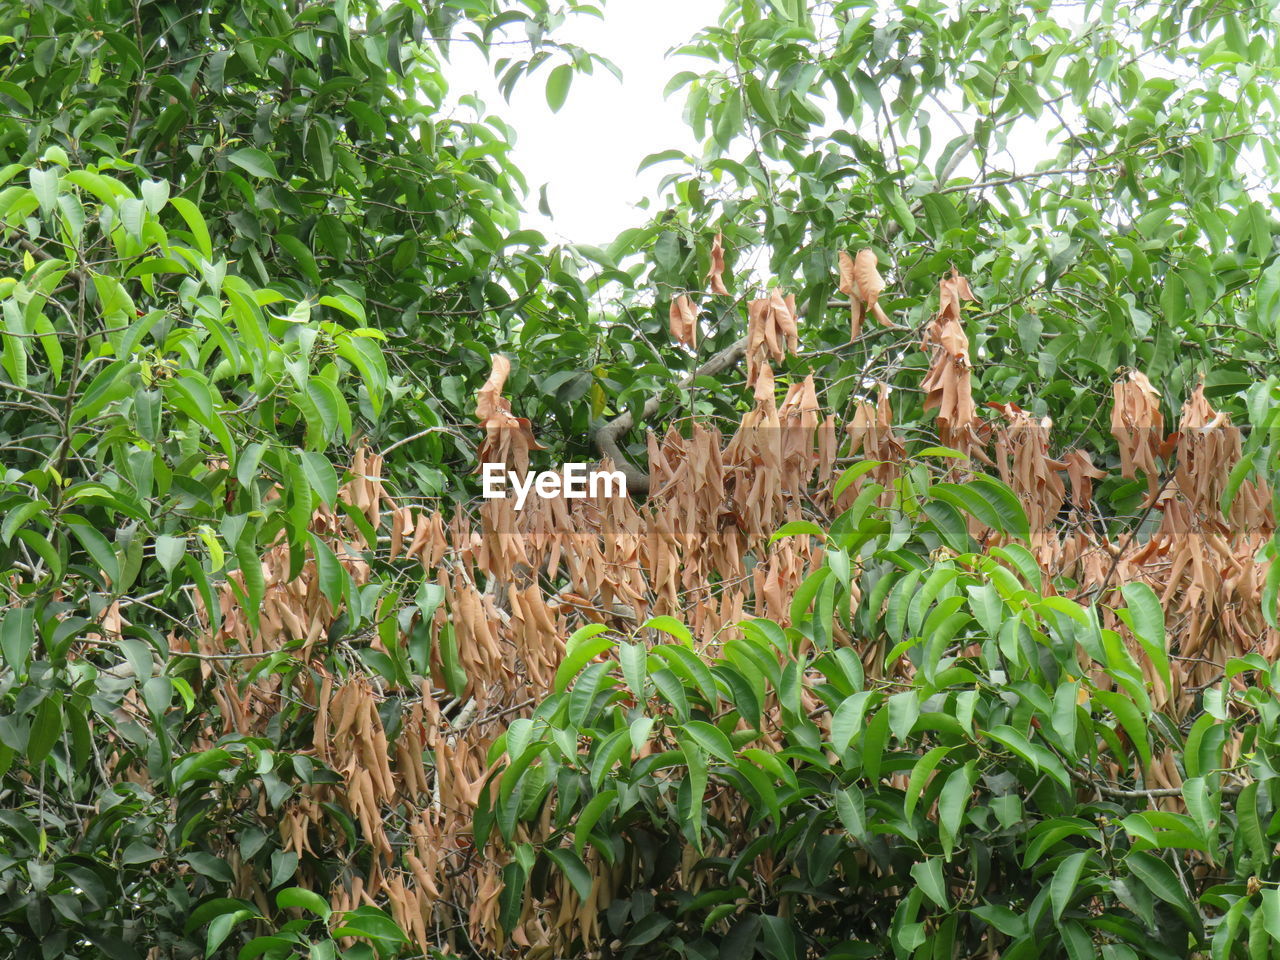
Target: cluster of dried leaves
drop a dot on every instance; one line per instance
(515, 583)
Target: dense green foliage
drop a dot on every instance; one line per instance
(775, 762)
(229, 229)
(240, 238)
(316, 144)
(1145, 237)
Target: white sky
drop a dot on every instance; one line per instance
(588, 152)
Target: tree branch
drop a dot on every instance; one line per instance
(607, 434)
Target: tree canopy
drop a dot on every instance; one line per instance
(966, 648)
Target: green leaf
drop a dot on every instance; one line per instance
(573, 867)
(1077, 941)
(1063, 886)
(305, 899)
(1146, 620)
(255, 162)
(578, 657)
(1271, 912)
(779, 937)
(332, 576)
(348, 305)
(1016, 742)
(170, 551)
(364, 354)
(1158, 877)
(952, 802)
(370, 922)
(634, 660)
(662, 156)
(1260, 239)
(220, 928)
(207, 865)
(639, 731)
(851, 808)
(205, 764)
(1203, 810)
(284, 864)
(1131, 720)
(320, 475)
(647, 929)
(96, 545)
(1005, 503)
(904, 710)
(1271, 595)
(18, 516)
(928, 874)
(251, 572)
(711, 739)
(902, 212)
(919, 776)
(692, 792)
(590, 816)
(742, 694)
(672, 691)
(873, 742)
(847, 478)
(107, 189)
(558, 86)
(798, 528)
(17, 636)
(44, 184)
(511, 900)
(46, 728)
(691, 669)
(672, 626)
(155, 194)
(1239, 473)
(593, 679)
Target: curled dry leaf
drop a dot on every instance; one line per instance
(869, 285)
(1138, 426)
(860, 280)
(871, 434)
(684, 321)
(508, 438)
(947, 385)
(489, 401)
(1208, 447)
(772, 331)
(1022, 457)
(1081, 472)
(846, 274)
(716, 275)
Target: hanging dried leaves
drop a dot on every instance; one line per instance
(489, 400)
(1081, 472)
(684, 322)
(1138, 426)
(716, 275)
(871, 433)
(698, 549)
(508, 438)
(772, 331)
(947, 386)
(860, 280)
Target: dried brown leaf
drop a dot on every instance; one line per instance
(716, 274)
(489, 401)
(684, 321)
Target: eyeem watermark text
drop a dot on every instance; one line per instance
(574, 481)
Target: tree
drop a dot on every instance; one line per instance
(259, 696)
